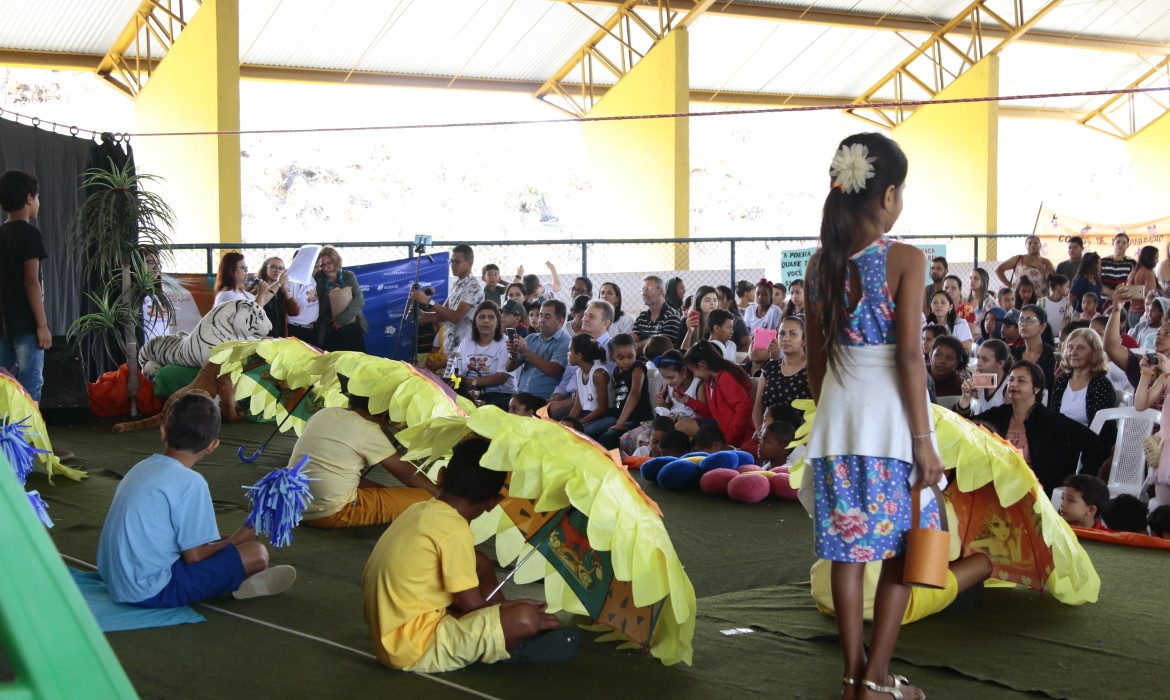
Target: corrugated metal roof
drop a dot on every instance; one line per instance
(64, 26)
(518, 40)
(1028, 69)
(743, 55)
(530, 39)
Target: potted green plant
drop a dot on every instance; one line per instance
(116, 229)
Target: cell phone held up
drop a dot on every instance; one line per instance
(762, 338)
(984, 380)
(1152, 359)
(511, 333)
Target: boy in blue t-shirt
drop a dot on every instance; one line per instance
(160, 546)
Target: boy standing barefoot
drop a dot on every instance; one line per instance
(160, 546)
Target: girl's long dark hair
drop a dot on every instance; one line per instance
(842, 214)
(588, 348)
(790, 308)
(698, 296)
(617, 308)
(1046, 336)
(705, 351)
(729, 294)
(1089, 263)
(227, 265)
(1025, 281)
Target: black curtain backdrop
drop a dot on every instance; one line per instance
(57, 161)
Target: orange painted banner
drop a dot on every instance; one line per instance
(1054, 230)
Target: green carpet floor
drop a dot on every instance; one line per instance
(749, 565)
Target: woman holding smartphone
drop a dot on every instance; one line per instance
(993, 361)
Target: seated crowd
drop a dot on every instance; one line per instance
(714, 370)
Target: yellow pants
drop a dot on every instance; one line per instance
(461, 641)
(373, 506)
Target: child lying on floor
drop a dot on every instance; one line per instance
(425, 587)
(160, 546)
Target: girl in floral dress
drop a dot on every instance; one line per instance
(873, 437)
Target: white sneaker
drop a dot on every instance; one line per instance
(273, 580)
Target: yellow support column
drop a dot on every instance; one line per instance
(641, 167)
(196, 87)
(1149, 151)
(953, 151)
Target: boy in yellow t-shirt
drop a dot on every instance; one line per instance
(425, 586)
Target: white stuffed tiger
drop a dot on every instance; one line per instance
(232, 320)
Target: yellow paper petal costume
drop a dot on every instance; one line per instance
(558, 468)
(980, 458)
(18, 405)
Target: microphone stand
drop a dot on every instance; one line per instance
(411, 309)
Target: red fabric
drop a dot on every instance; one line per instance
(1128, 341)
(1132, 539)
(634, 462)
(107, 396)
(729, 403)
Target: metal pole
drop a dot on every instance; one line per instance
(584, 259)
(975, 242)
(528, 556)
(210, 262)
(732, 264)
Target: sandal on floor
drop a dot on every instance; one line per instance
(894, 690)
(552, 647)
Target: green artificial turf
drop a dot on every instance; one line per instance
(749, 565)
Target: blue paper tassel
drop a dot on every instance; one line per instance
(40, 507)
(278, 499)
(19, 451)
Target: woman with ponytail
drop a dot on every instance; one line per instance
(873, 423)
(729, 392)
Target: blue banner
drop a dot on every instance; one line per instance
(386, 287)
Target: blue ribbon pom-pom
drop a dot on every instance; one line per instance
(19, 451)
(40, 508)
(278, 499)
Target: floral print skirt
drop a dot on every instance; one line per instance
(863, 508)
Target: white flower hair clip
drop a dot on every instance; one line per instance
(851, 167)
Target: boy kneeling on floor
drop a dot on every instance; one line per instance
(160, 546)
(425, 586)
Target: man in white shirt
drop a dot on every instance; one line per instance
(455, 313)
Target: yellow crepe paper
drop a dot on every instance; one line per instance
(549, 464)
(979, 458)
(556, 468)
(16, 404)
(291, 362)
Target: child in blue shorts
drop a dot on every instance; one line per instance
(160, 546)
(426, 588)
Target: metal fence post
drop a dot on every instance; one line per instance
(732, 242)
(584, 259)
(975, 242)
(210, 261)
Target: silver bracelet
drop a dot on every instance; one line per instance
(919, 437)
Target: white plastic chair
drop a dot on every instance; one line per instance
(1129, 455)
